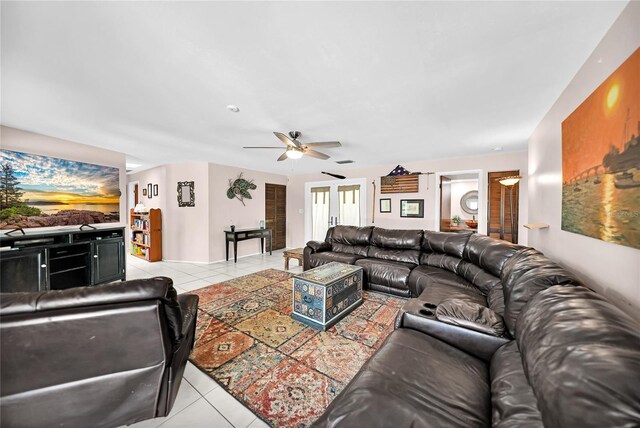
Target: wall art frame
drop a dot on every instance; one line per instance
(186, 194)
(412, 208)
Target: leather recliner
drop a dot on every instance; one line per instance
(93, 356)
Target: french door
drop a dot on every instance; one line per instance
(330, 203)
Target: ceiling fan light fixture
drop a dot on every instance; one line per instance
(294, 153)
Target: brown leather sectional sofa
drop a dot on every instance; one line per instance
(495, 335)
(93, 356)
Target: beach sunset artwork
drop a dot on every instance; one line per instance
(42, 191)
(601, 160)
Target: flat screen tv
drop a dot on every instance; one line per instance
(42, 191)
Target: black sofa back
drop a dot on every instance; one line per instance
(351, 240)
(93, 356)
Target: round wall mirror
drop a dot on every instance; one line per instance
(469, 202)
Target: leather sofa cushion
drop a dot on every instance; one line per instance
(581, 355)
(386, 272)
(415, 381)
(350, 235)
(424, 277)
(399, 239)
(445, 242)
(437, 293)
(495, 300)
(478, 276)
(513, 402)
(470, 315)
(407, 256)
(441, 260)
(359, 250)
(488, 253)
(526, 274)
(318, 259)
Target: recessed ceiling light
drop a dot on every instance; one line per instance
(497, 149)
(233, 108)
(132, 165)
(599, 60)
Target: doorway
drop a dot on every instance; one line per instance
(275, 215)
(501, 201)
(133, 195)
(459, 202)
(330, 203)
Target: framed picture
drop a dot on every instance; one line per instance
(155, 190)
(144, 192)
(385, 205)
(412, 208)
(150, 190)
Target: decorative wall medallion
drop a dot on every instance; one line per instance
(239, 188)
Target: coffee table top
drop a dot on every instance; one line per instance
(327, 274)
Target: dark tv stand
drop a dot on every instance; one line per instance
(61, 259)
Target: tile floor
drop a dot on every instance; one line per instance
(201, 402)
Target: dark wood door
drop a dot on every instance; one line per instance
(276, 213)
(23, 270)
(501, 199)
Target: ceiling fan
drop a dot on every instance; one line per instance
(296, 149)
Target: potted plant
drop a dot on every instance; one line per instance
(456, 220)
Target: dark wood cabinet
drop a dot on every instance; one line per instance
(58, 260)
(108, 260)
(23, 270)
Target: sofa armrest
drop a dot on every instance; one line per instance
(311, 248)
(319, 246)
(421, 316)
(470, 315)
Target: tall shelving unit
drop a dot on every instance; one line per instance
(146, 235)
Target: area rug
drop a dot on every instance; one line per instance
(286, 372)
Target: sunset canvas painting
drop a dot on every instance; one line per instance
(42, 191)
(601, 160)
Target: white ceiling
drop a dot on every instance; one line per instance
(392, 81)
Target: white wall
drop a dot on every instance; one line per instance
(37, 144)
(195, 234)
(610, 269)
(485, 164)
(223, 211)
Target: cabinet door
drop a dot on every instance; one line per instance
(108, 260)
(23, 270)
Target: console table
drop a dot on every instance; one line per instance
(242, 235)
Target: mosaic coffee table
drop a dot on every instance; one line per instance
(324, 295)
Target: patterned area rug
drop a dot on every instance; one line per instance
(286, 372)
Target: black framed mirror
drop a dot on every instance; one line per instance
(469, 202)
(186, 194)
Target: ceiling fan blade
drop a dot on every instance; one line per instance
(315, 154)
(326, 144)
(262, 147)
(283, 157)
(341, 177)
(288, 141)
